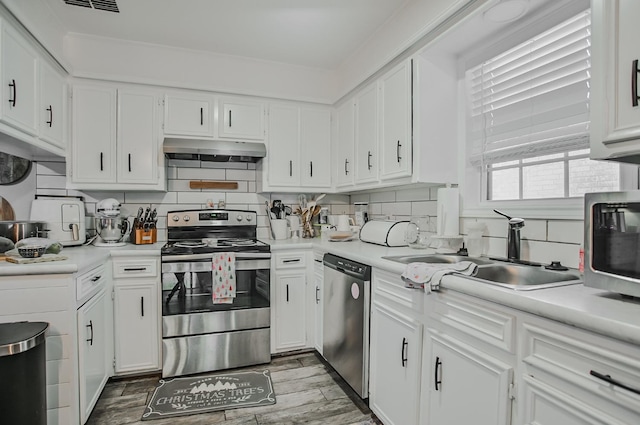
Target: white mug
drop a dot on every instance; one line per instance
(344, 223)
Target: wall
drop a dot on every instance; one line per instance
(51, 180)
(542, 240)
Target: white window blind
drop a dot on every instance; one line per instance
(532, 100)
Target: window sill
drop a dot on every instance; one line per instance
(565, 209)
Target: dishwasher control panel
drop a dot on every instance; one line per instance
(354, 268)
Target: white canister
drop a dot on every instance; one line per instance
(279, 227)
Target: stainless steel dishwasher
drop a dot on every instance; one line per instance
(345, 323)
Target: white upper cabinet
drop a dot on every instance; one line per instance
(615, 110)
(284, 139)
(345, 145)
(115, 142)
(137, 137)
(52, 112)
(241, 119)
(188, 114)
(299, 148)
(395, 122)
(19, 77)
(93, 148)
(315, 152)
(366, 135)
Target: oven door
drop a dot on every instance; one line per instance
(187, 283)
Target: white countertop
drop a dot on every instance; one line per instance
(79, 259)
(588, 308)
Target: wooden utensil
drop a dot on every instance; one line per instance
(6, 210)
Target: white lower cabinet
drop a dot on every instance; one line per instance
(457, 371)
(395, 364)
(289, 301)
(93, 335)
(136, 315)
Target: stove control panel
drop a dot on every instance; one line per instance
(211, 217)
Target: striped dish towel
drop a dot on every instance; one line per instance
(223, 285)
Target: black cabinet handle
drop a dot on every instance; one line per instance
(129, 162)
(369, 160)
(398, 151)
(229, 118)
(634, 83)
(90, 326)
(50, 122)
(135, 269)
(403, 354)
(142, 306)
(317, 299)
(12, 98)
(287, 293)
(310, 168)
(295, 260)
(438, 381)
(101, 161)
(201, 116)
(346, 169)
(95, 278)
(290, 168)
(610, 380)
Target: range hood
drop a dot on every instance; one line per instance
(213, 150)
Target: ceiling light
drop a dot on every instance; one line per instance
(507, 11)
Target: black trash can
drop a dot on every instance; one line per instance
(23, 386)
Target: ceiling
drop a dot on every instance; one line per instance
(311, 33)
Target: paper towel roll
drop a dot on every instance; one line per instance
(448, 223)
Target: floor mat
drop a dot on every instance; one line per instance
(207, 393)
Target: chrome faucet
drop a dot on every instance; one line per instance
(513, 237)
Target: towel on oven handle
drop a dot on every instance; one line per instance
(223, 282)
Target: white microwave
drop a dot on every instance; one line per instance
(612, 242)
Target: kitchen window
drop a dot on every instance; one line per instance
(528, 121)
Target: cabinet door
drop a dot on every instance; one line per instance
(290, 326)
(136, 321)
(345, 145)
(241, 119)
(457, 372)
(93, 145)
(92, 349)
(318, 277)
(315, 153)
(396, 357)
(615, 121)
(19, 71)
(366, 134)
(395, 122)
(284, 139)
(52, 114)
(137, 137)
(188, 115)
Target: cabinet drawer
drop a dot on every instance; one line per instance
(90, 282)
(475, 318)
(391, 287)
(145, 267)
(568, 362)
(290, 260)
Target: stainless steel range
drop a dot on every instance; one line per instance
(198, 334)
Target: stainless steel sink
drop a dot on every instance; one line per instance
(437, 258)
(525, 278)
(518, 277)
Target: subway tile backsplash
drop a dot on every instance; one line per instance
(542, 240)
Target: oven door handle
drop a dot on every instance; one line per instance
(239, 256)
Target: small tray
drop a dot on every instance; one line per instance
(44, 259)
(336, 236)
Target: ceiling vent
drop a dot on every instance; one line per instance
(107, 5)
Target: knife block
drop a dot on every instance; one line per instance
(142, 237)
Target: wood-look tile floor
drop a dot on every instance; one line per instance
(307, 392)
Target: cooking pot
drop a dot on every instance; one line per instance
(17, 230)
